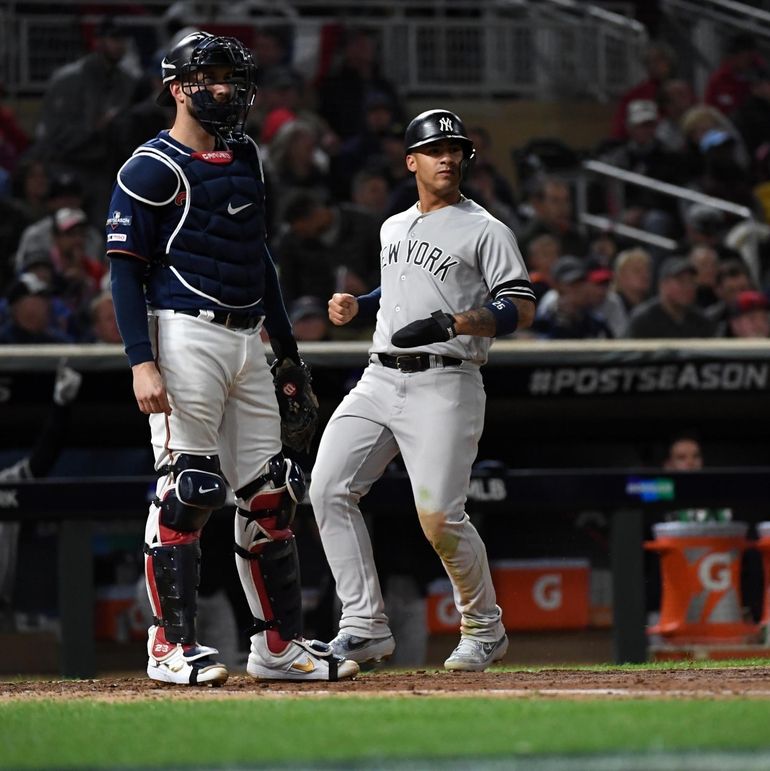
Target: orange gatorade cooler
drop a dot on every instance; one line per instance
(441, 611)
(763, 544)
(701, 581)
(543, 593)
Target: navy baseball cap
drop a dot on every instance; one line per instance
(676, 266)
(569, 270)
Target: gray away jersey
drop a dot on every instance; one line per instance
(453, 259)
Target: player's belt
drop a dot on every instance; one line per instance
(417, 362)
(226, 319)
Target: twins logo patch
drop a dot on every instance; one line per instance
(116, 219)
(290, 390)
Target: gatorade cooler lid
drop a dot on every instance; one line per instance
(699, 529)
(763, 528)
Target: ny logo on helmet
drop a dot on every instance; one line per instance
(445, 124)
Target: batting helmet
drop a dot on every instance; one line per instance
(196, 52)
(435, 125)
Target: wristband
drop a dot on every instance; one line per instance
(506, 315)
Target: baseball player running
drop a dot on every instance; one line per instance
(192, 282)
(452, 278)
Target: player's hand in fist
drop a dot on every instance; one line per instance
(149, 390)
(439, 328)
(342, 308)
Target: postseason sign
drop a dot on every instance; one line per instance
(647, 378)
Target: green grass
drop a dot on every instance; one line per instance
(210, 734)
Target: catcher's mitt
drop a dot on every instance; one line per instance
(297, 403)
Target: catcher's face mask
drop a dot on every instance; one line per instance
(214, 61)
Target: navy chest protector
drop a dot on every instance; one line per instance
(211, 228)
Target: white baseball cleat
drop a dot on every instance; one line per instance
(302, 660)
(183, 664)
(364, 650)
(474, 655)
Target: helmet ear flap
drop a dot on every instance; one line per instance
(466, 164)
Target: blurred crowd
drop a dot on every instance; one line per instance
(333, 156)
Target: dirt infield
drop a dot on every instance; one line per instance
(753, 682)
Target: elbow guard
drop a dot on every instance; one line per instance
(506, 315)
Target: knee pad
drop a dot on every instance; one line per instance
(272, 497)
(173, 575)
(196, 488)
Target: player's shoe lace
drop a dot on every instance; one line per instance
(183, 664)
(302, 660)
(474, 655)
(364, 650)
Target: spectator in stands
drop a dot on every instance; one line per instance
(660, 64)
(705, 226)
(29, 317)
(722, 174)
(752, 118)
(30, 187)
(343, 91)
(482, 144)
(686, 454)
(483, 188)
(325, 248)
(632, 280)
(104, 326)
(140, 122)
(672, 313)
(675, 98)
(367, 146)
(540, 256)
(369, 192)
(604, 300)
(729, 85)
(309, 319)
(732, 278)
(748, 316)
(696, 123)
(281, 98)
(13, 138)
(81, 102)
(566, 312)
(643, 153)
(73, 276)
(294, 161)
(705, 259)
(65, 192)
(551, 202)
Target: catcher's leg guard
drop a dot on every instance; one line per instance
(172, 573)
(268, 566)
(266, 554)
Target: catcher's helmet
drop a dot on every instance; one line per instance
(196, 52)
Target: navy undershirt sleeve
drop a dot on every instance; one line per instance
(276, 318)
(369, 304)
(127, 282)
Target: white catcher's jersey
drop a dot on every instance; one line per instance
(452, 259)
